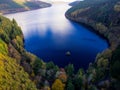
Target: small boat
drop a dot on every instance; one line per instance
(68, 53)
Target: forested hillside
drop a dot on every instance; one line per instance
(12, 6)
(12, 75)
(21, 70)
(103, 16)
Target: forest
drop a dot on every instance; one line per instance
(22, 70)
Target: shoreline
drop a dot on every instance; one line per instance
(91, 28)
(22, 10)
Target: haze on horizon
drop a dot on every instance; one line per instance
(60, 0)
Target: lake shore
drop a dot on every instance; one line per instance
(91, 26)
(11, 11)
(68, 42)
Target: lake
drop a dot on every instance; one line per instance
(50, 36)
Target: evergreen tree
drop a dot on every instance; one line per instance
(70, 69)
(70, 85)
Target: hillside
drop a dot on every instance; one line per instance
(12, 6)
(21, 70)
(102, 15)
(12, 75)
(74, 3)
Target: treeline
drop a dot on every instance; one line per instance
(15, 61)
(21, 70)
(12, 75)
(12, 6)
(103, 16)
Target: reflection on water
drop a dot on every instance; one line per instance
(49, 35)
(42, 19)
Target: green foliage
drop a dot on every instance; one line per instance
(70, 85)
(80, 73)
(3, 47)
(100, 74)
(103, 17)
(12, 76)
(14, 22)
(115, 64)
(69, 69)
(29, 58)
(37, 65)
(92, 87)
(104, 20)
(51, 70)
(115, 70)
(5, 28)
(78, 82)
(104, 14)
(85, 4)
(50, 65)
(11, 32)
(4, 36)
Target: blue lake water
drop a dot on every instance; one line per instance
(49, 35)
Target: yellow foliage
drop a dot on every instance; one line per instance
(58, 85)
(1, 31)
(117, 7)
(19, 40)
(102, 62)
(3, 47)
(76, 12)
(21, 2)
(102, 28)
(46, 88)
(12, 76)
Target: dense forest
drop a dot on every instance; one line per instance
(103, 16)
(12, 75)
(21, 70)
(12, 6)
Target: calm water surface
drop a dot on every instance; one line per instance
(49, 35)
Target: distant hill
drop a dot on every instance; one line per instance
(11, 6)
(74, 3)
